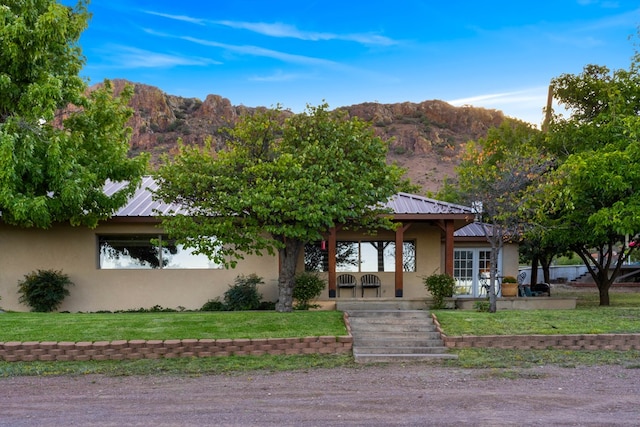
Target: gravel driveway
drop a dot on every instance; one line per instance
(409, 395)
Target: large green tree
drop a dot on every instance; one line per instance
(281, 183)
(592, 201)
(58, 144)
(494, 175)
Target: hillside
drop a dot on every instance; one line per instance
(426, 137)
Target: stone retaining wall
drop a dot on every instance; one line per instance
(155, 349)
(541, 342)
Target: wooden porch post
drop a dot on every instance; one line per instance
(399, 275)
(331, 253)
(448, 247)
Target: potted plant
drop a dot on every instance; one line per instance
(509, 286)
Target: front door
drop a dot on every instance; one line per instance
(468, 264)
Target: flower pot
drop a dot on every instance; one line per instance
(509, 289)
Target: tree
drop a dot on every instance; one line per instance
(58, 145)
(281, 183)
(592, 201)
(494, 176)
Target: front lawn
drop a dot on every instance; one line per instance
(162, 326)
(622, 316)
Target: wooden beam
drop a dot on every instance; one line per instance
(399, 274)
(448, 247)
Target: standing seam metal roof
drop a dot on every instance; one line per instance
(141, 204)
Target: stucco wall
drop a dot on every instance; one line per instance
(74, 250)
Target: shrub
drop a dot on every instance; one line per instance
(482, 306)
(307, 288)
(243, 294)
(44, 290)
(441, 286)
(213, 305)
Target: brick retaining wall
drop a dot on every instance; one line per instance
(155, 349)
(541, 342)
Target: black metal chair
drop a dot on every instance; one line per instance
(541, 288)
(346, 281)
(526, 290)
(370, 281)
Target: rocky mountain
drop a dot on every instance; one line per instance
(426, 137)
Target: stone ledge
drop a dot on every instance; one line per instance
(622, 342)
(153, 349)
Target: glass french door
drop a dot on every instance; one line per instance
(468, 265)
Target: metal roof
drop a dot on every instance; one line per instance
(141, 204)
(475, 229)
(405, 203)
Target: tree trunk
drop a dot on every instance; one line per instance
(546, 268)
(534, 271)
(604, 294)
(287, 275)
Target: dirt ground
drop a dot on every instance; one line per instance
(383, 395)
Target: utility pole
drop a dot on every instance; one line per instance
(547, 111)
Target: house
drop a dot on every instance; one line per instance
(472, 255)
(126, 262)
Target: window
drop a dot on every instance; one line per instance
(148, 251)
(361, 256)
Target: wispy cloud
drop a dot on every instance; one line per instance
(182, 18)
(290, 31)
(282, 30)
(606, 4)
(537, 95)
(279, 76)
(131, 57)
(253, 50)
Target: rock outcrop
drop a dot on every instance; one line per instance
(426, 138)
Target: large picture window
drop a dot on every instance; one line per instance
(361, 256)
(148, 251)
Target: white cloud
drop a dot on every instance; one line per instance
(279, 76)
(182, 18)
(290, 31)
(263, 52)
(131, 57)
(526, 104)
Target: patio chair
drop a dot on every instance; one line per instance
(527, 292)
(370, 281)
(541, 288)
(346, 281)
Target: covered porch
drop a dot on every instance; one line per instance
(427, 223)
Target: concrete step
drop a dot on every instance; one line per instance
(402, 358)
(381, 304)
(401, 350)
(397, 343)
(382, 335)
(390, 314)
(397, 336)
(416, 325)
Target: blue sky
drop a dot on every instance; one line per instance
(493, 54)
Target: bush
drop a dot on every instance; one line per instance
(213, 305)
(482, 306)
(441, 286)
(243, 294)
(307, 288)
(44, 290)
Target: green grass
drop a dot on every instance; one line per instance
(622, 316)
(179, 366)
(159, 326)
